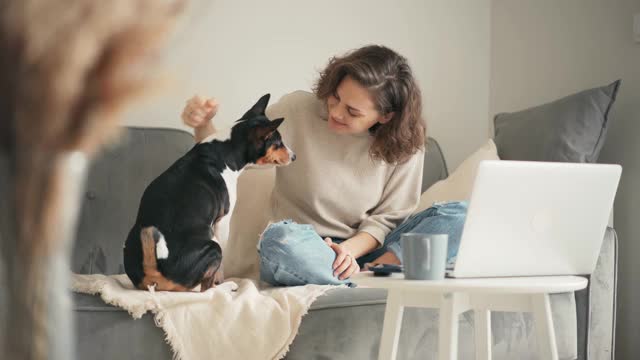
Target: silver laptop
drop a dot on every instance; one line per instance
(536, 218)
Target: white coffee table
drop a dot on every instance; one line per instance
(455, 296)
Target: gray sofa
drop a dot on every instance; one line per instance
(346, 323)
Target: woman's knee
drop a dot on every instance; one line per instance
(294, 254)
(286, 239)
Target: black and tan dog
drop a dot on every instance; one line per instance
(183, 210)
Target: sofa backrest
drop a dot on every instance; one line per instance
(435, 167)
(118, 177)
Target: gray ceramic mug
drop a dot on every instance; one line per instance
(424, 256)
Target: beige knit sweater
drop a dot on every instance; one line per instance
(334, 185)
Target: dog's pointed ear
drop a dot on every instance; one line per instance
(259, 108)
(275, 123)
(266, 131)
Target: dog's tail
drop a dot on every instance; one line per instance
(154, 247)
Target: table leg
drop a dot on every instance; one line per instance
(545, 334)
(450, 308)
(391, 326)
(482, 321)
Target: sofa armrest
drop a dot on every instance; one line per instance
(596, 305)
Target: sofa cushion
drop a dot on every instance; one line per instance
(343, 324)
(458, 185)
(107, 332)
(571, 129)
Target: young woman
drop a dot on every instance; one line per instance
(359, 140)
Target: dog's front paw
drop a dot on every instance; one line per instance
(212, 278)
(218, 277)
(228, 286)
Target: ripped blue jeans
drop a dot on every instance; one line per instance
(294, 254)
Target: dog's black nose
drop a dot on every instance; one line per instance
(293, 157)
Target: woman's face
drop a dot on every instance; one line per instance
(352, 110)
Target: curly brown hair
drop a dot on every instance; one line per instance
(389, 79)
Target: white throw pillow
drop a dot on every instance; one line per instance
(459, 184)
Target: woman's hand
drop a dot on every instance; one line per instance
(198, 114)
(345, 264)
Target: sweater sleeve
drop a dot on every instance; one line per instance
(399, 198)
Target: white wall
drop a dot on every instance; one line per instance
(545, 49)
(239, 50)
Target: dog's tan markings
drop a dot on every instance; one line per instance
(152, 275)
(274, 156)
